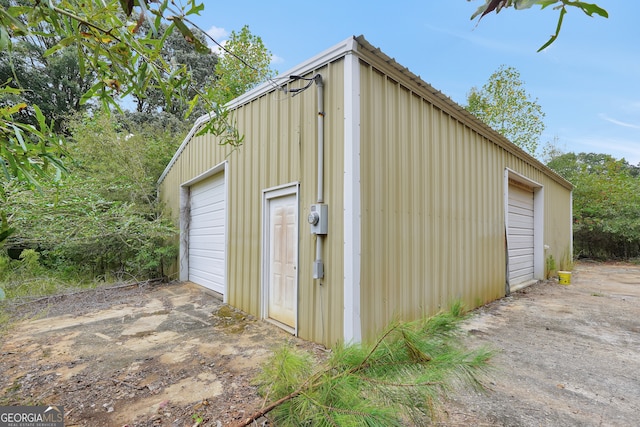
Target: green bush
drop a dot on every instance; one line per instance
(606, 204)
(103, 221)
(26, 276)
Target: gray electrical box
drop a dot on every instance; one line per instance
(318, 218)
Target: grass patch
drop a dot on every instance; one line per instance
(27, 278)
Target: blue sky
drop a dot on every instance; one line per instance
(587, 82)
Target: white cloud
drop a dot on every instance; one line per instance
(217, 33)
(619, 123)
(275, 59)
(216, 48)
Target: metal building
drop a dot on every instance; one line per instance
(367, 197)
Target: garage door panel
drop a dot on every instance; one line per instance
(206, 207)
(517, 210)
(520, 275)
(210, 233)
(207, 239)
(206, 276)
(204, 268)
(520, 241)
(520, 234)
(213, 255)
(205, 243)
(520, 221)
(519, 195)
(520, 262)
(519, 253)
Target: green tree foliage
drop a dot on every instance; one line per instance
(606, 204)
(103, 220)
(397, 380)
(244, 63)
(111, 48)
(179, 52)
(53, 83)
(505, 105)
(496, 6)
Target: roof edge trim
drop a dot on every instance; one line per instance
(350, 44)
(455, 110)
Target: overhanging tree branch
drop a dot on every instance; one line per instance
(496, 6)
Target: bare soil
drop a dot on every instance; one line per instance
(170, 355)
(175, 355)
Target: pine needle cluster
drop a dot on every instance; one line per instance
(398, 379)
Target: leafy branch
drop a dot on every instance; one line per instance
(589, 9)
(111, 44)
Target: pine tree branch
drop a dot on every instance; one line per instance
(383, 367)
(393, 384)
(378, 343)
(264, 411)
(312, 381)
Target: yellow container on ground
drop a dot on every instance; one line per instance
(564, 277)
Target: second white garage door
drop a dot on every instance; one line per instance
(207, 254)
(520, 235)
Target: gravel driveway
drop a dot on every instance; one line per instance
(568, 355)
(175, 356)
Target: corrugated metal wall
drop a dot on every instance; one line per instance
(432, 198)
(279, 148)
(432, 204)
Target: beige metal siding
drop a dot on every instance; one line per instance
(558, 234)
(432, 204)
(279, 148)
(432, 185)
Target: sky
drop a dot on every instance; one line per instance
(587, 82)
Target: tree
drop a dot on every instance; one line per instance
(497, 5)
(244, 63)
(108, 43)
(54, 83)
(104, 219)
(606, 204)
(504, 105)
(177, 51)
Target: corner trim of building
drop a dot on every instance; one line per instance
(352, 325)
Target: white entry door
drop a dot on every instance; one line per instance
(281, 258)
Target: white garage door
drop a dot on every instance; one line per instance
(207, 233)
(520, 234)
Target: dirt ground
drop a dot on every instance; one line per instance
(170, 355)
(567, 355)
(174, 355)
